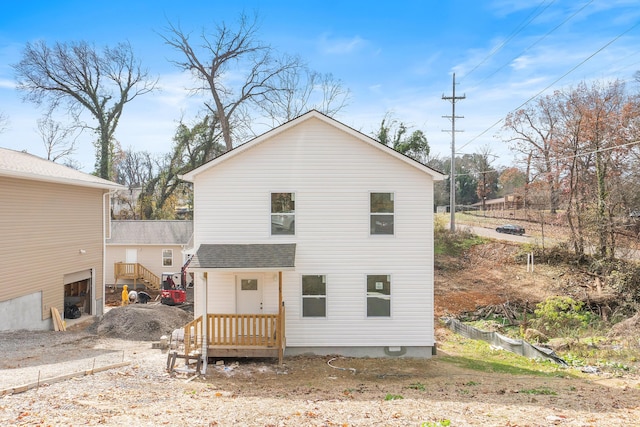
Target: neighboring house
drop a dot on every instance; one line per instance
(53, 223)
(158, 246)
(313, 238)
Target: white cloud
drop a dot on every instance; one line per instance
(7, 84)
(340, 46)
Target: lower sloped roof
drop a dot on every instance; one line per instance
(155, 232)
(245, 256)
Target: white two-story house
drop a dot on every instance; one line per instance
(313, 238)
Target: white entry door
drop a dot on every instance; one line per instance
(248, 295)
(132, 256)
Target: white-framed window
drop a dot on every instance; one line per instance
(314, 296)
(378, 295)
(381, 212)
(167, 257)
(283, 214)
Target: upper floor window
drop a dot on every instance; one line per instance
(167, 257)
(283, 213)
(381, 213)
(378, 295)
(314, 296)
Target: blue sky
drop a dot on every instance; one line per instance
(395, 57)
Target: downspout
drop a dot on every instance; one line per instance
(205, 321)
(106, 225)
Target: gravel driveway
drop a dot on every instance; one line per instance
(305, 391)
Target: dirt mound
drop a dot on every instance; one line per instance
(141, 322)
(629, 328)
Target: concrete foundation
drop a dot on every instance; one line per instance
(410, 352)
(23, 313)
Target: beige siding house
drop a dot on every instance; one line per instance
(159, 246)
(314, 238)
(53, 223)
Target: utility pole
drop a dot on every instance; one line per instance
(452, 174)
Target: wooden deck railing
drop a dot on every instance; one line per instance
(135, 271)
(237, 331)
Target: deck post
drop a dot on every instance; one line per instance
(205, 323)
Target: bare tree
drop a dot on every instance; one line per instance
(533, 132)
(77, 76)
(59, 141)
(4, 122)
(219, 54)
(487, 175)
(133, 169)
(299, 92)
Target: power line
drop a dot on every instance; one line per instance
(515, 32)
(555, 81)
(560, 159)
(535, 43)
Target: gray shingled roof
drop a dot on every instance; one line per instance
(17, 164)
(150, 232)
(282, 256)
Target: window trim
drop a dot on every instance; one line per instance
(303, 297)
(392, 214)
(366, 295)
(170, 258)
(282, 214)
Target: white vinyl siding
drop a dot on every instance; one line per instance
(333, 174)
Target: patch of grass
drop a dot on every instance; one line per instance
(479, 356)
(608, 357)
(440, 423)
(417, 386)
(471, 383)
(390, 396)
(539, 391)
(453, 244)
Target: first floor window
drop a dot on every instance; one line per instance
(314, 296)
(167, 257)
(378, 295)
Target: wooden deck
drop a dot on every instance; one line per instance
(135, 271)
(238, 335)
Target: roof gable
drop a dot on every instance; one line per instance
(18, 164)
(313, 114)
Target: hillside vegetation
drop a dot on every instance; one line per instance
(584, 308)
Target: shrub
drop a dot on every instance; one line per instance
(561, 316)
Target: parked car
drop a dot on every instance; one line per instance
(511, 229)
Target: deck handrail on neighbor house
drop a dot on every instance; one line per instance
(252, 335)
(136, 271)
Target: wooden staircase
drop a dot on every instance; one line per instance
(136, 272)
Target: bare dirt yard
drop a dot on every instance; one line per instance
(306, 391)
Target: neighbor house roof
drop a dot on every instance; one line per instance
(313, 114)
(158, 232)
(18, 164)
(245, 256)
